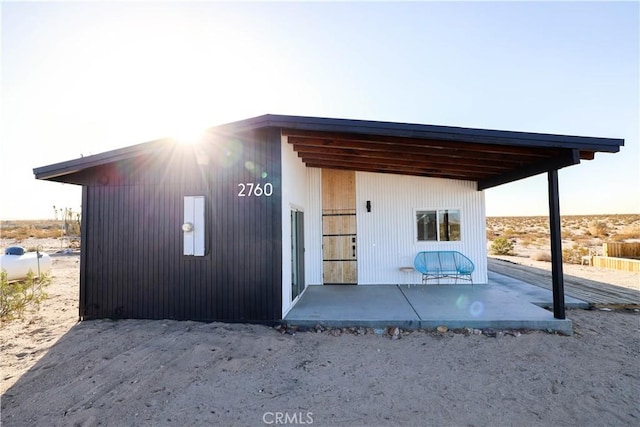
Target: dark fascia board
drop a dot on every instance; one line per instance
(443, 133)
(76, 165)
(366, 127)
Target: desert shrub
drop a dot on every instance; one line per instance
(511, 232)
(541, 256)
(598, 229)
(21, 232)
(574, 255)
(627, 233)
(15, 297)
(583, 239)
(42, 229)
(502, 246)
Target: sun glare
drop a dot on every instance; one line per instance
(189, 135)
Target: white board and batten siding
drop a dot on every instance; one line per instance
(294, 196)
(313, 228)
(387, 236)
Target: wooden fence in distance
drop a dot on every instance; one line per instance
(624, 264)
(621, 250)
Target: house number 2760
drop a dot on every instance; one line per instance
(249, 189)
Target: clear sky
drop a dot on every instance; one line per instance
(84, 78)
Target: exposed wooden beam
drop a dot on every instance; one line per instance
(587, 155)
(319, 138)
(312, 145)
(417, 164)
(308, 152)
(380, 168)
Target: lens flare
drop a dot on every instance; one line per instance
(462, 302)
(476, 308)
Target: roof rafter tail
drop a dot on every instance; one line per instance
(502, 154)
(382, 142)
(415, 163)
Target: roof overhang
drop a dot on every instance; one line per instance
(488, 157)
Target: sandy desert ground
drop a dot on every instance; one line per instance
(56, 371)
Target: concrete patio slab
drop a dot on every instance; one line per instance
(480, 307)
(497, 306)
(340, 305)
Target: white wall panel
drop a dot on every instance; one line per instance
(313, 228)
(294, 196)
(387, 235)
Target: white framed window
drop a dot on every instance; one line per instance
(438, 225)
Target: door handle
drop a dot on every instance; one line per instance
(354, 250)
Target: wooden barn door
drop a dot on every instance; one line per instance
(339, 250)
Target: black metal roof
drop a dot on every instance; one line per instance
(489, 157)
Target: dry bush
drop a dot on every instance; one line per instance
(502, 246)
(536, 241)
(544, 235)
(24, 232)
(17, 296)
(585, 240)
(627, 233)
(599, 229)
(541, 256)
(20, 230)
(574, 254)
(526, 242)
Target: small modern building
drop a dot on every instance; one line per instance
(234, 228)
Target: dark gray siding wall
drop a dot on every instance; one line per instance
(133, 262)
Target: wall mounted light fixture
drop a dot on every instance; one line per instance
(368, 205)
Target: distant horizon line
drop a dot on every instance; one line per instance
(562, 215)
(487, 216)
